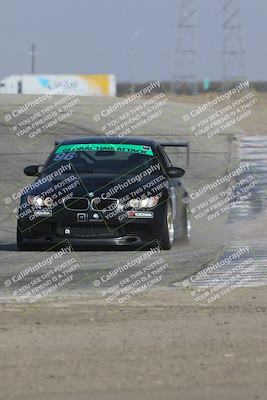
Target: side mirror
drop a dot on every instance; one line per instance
(175, 172)
(31, 170)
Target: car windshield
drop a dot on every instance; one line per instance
(99, 158)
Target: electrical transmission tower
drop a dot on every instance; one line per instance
(233, 51)
(185, 62)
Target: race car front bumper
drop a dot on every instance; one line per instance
(84, 229)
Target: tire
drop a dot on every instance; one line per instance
(167, 236)
(186, 228)
(21, 245)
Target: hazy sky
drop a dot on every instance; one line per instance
(85, 36)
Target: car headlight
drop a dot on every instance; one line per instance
(134, 203)
(38, 201)
(147, 202)
(48, 202)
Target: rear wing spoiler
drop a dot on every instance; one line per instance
(179, 144)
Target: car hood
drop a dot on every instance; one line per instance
(101, 185)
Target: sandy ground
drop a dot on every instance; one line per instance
(254, 125)
(160, 346)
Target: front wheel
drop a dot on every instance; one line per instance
(186, 227)
(167, 236)
(21, 245)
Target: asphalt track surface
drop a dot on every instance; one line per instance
(210, 159)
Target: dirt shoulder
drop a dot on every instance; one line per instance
(162, 345)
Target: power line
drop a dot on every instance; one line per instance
(233, 50)
(186, 52)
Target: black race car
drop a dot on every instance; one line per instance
(97, 192)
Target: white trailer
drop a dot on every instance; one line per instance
(83, 85)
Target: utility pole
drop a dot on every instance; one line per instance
(33, 55)
(233, 50)
(134, 37)
(186, 52)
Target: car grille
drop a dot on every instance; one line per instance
(91, 232)
(76, 204)
(103, 205)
